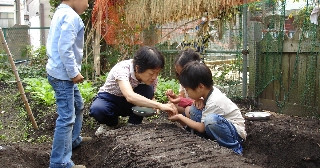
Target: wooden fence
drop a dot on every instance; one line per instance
(286, 74)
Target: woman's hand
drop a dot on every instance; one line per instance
(169, 108)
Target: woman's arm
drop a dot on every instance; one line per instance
(139, 100)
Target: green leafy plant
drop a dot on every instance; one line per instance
(99, 81)
(87, 91)
(163, 85)
(40, 90)
(5, 75)
(23, 125)
(5, 71)
(36, 64)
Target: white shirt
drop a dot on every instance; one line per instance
(219, 103)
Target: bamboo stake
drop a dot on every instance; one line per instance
(16, 74)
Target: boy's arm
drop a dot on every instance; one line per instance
(68, 46)
(198, 126)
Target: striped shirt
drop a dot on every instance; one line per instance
(123, 71)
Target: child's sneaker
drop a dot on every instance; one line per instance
(78, 166)
(238, 150)
(86, 139)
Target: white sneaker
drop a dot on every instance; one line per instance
(79, 166)
(103, 128)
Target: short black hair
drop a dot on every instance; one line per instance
(187, 56)
(195, 73)
(148, 58)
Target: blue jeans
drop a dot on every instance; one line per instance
(68, 124)
(220, 129)
(106, 107)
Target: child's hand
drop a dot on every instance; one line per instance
(173, 98)
(170, 93)
(175, 117)
(78, 79)
(199, 104)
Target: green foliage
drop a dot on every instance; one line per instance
(163, 85)
(39, 56)
(221, 77)
(302, 19)
(5, 71)
(26, 71)
(37, 63)
(40, 90)
(5, 75)
(2, 137)
(100, 81)
(111, 55)
(89, 122)
(24, 125)
(154, 117)
(87, 91)
(43, 138)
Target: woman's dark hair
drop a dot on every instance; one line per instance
(195, 73)
(187, 56)
(148, 58)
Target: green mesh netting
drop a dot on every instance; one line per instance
(287, 60)
(283, 61)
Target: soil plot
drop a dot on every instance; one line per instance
(158, 145)
(282, 141)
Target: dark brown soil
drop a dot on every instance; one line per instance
(282, 141)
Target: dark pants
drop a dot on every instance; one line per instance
(106, 107)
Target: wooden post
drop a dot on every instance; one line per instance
(96, 45)
(16, 74)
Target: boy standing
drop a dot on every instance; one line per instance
(65, 51)
(221, 119)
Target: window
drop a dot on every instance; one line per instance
(6, 19)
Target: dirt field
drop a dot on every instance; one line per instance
(282, 141)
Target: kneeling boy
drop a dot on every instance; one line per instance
(220, 119)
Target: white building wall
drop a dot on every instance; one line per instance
(47, 14)
(40, 18)
(34, 21)
(7, 6)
